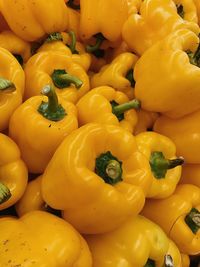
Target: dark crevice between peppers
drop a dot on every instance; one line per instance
(19, 59)
(51, 110)
(62, 79)
(160, 165)
(118, 110)
(52, 211)
(194, 57)
(109, 168)
(72, 5)
(130, 77)
(72, 45)
(95, 49)
(193, 220)
(6, 86)
(5, 193)
(180, 10)
(150, 263)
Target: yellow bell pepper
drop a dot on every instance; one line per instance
(11, 86)
(138, 242)
(184, 132)
(177, 257)
(190, 174)
(175, 94)
(13, 173)
(74, 21)
(67, 44)
(33, 19)
(179, 217)
(119, 74)
(41, 239)
(43, 68)
(16, 46)
(3, 24)
(197, 4)
(156, 19)
(145, 121)
(101, 178)
(102, 17)
(105, 105)
(45, 123)
(160, 151)
(185, 260)
(133, 6)
(186, 9)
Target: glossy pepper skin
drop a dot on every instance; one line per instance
(16, 46)
(187, 10)
(44, 127)
(165, 178)
(187, 144)
(11, 86)
(118, 74)
(41, 239)
(96, 106)
(134, 243)
(178, 215)
(156, 20)
(33, 19)
(13, 172)
(177, 93)
(145, 121)
(97, 15)
(197, 4)
(101, 178)
(190, 174)
(40, 68)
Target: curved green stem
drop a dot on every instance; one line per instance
(51, 110)
(72, 45)
(62, 79)
(193, 220)
(99, 40)
(133, 104)
(55, 36)
(130, 77)
(109, 168)
(71, 4)
(5, 193)
(159, 164)
(6, 85)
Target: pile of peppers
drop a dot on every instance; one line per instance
(100, 135)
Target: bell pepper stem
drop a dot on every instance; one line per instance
(51, 110)
(130, 77)
(119, 109)
(193, 220)
(159, 164)
(72, 45)
(63, 79)
(99, 40)
(5, 193)
(168, 261)
(113, 169)
(55, 36)
(6, 85)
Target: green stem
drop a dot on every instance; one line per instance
(55, 36)
(130, 77)
(109, 168)
(6, 85)
(168, 261)
(119, 109)
(193, 220)
(99, 40)
(5, 193)
(71, 4)
(51, 110)
(72, 45)
(159, 164)
(62, 79)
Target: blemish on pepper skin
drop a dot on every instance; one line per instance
(49, 125)
(5, 242)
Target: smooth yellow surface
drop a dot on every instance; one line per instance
(33, 19)
(13, 172)
(149, 142)
(38, 72)
(190, 174)
(10, 69)
(90, 204)
(103, 16)
(156, 19)
(166, 82)
(38, 137)
(41, 239)
(170, 213)
(145, 121)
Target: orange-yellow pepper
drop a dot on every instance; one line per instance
(13, 173)
(186, 9)
(190, 174)
(119, 74)
(179, 217)
(145, 121)
(11, 86)
(45, 123)
(185, 260)
(106, 105)
(184, 132)
(41, 239)
(197, 4)
(133, 6)
(33, 19)
(167, 75)
(138, 243)
(70, 79)
(101, 178)
(156, 19)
